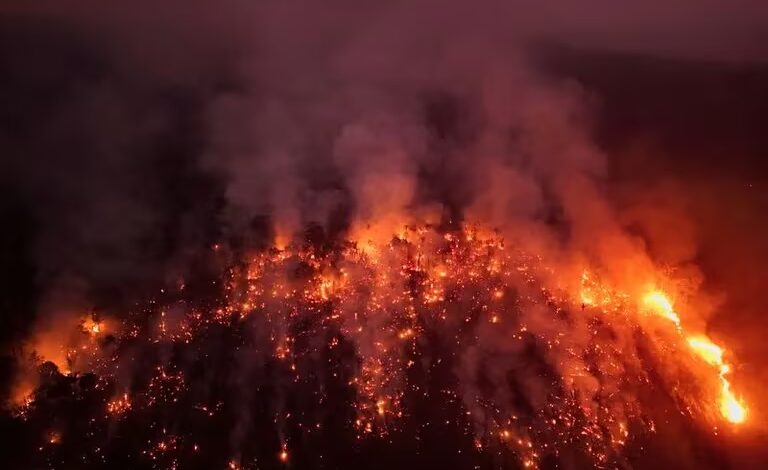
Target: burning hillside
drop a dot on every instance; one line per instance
(425, 234)
(540, 366)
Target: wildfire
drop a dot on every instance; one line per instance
(292, 306)
(92, 326)
(730, 407)
(593, 293)
(733, 410)
(661, 305)
(119, 405)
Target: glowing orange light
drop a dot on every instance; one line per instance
(54, 437)
(92, 326)
(730, 407)
(372, 301)
(661, 305)
(119, 406)
(707, 350)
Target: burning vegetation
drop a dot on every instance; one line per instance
(537, 370)
(288, 234)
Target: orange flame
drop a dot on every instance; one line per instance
(730, 407)
(661, 305)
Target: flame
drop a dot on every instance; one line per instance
(593, 293)
(661, 305)
(92, 326)
(730, 407)
(383, 294)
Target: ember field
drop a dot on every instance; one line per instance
(376, 344)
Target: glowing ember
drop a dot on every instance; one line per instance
(92, 326)
(290, 311)
(119, 406)
(54, 437)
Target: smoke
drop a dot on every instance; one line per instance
(305, 108)
(139, 140)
